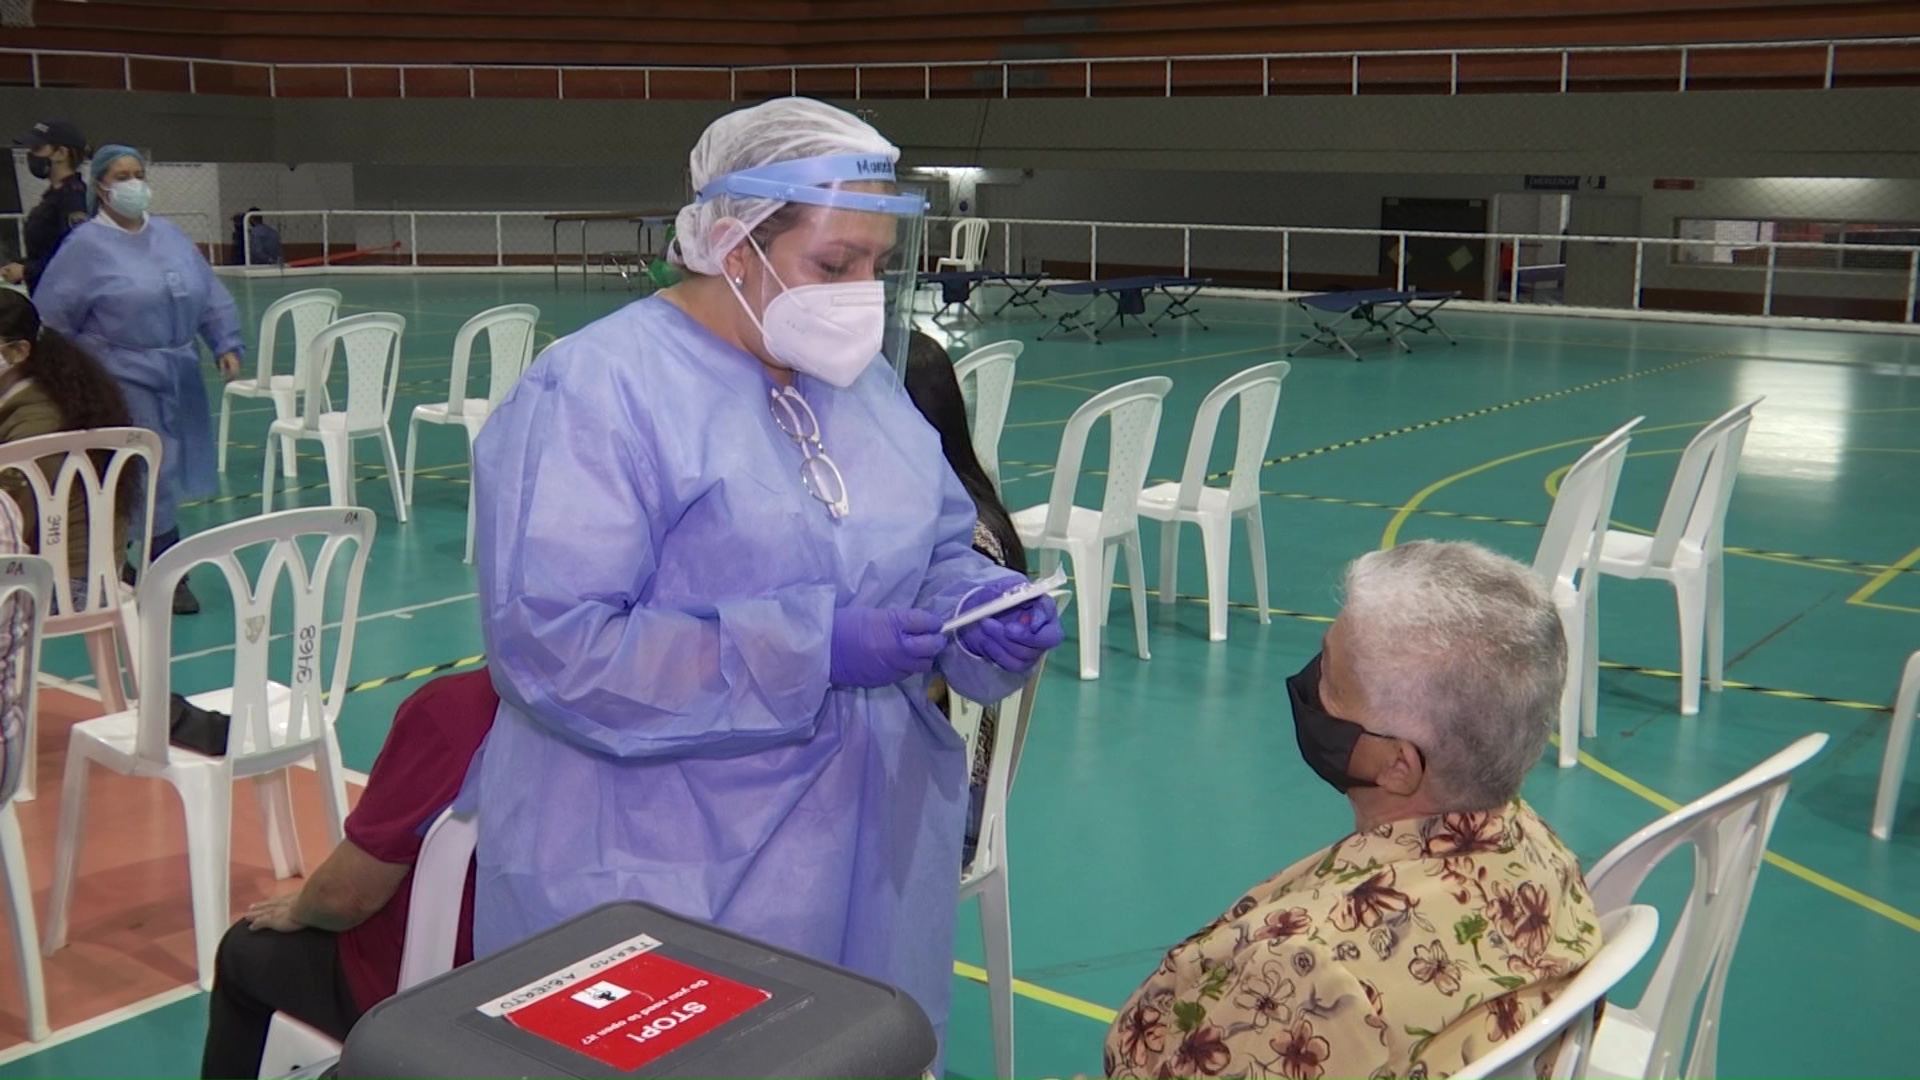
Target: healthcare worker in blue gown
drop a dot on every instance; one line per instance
(133, 290)
(716, 548)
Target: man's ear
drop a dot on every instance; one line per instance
(1405, 772)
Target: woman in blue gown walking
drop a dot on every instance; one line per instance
(716, 548)
(133, 290)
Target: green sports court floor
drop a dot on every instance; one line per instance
(1149, 799)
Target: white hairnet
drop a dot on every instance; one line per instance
(784, 129)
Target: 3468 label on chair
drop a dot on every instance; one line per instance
(626, 1005)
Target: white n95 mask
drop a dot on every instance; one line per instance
(831, 332)
(131, 197)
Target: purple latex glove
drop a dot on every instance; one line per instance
(875, 647)
(1016, 639)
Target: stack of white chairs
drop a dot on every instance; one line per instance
(310, 310)
(371, 343)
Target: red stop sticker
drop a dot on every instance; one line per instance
(627, 1006)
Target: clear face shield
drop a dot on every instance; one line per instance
(840, 275)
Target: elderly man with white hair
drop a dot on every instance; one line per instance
(1452, 913)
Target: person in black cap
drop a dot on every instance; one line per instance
(56, 153)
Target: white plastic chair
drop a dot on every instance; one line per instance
(967, 247)
(986, 875)
(295, 1048)
(1189, 501)
(986, 381)
(311, 310)
(107, 619)
(433, 937)
(30, 579)
(1092, 539)
(1686, 548)
(274, 725)
(439, 887)
(1566, 556)
(1626, 936)
(1893, 768)
(1728, 828)
(372, 345)
(509, 331)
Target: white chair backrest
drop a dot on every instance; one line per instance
(1696, 509)
(1258, 391)
(312, 310)
(1009, 738)
(1581, 509)
(439, 888)
(1626, 936)
(509, 329)
(969, 241)
(372, 345)
(1728, 829)
(28, 579)
(315, 696)
(1133, 413)
(988, 372)
(124, 449)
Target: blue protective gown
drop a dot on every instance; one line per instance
(658, 593)
(137, 302)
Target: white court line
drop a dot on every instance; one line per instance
(389, 613)
(99, 1023)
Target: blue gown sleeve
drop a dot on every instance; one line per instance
(956, 569)
(220, 321)
(570, 513)
(62, 295)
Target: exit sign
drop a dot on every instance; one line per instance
(1674, 183)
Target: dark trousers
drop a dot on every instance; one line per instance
(260, 972)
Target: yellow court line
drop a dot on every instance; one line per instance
(1041, 994)
(1884, 578)
(1392, 534)
(1810, 876)
(1885, 607)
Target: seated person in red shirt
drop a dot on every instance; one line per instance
(328, 953)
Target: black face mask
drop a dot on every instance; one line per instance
(40, 167)
(1326, 741)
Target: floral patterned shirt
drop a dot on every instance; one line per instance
(1403, 951)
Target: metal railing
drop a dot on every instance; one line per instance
(1295, 258)
(1508, 290)
(196, 225)
(443, 240)
(112, 70)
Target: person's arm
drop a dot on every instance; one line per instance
(63, 294)
(220, 321)
(569, 510)
(344, 892)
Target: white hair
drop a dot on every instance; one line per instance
(1460, 651)
(784, 129)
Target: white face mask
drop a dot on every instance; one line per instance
(131, 197)
(831, 332)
